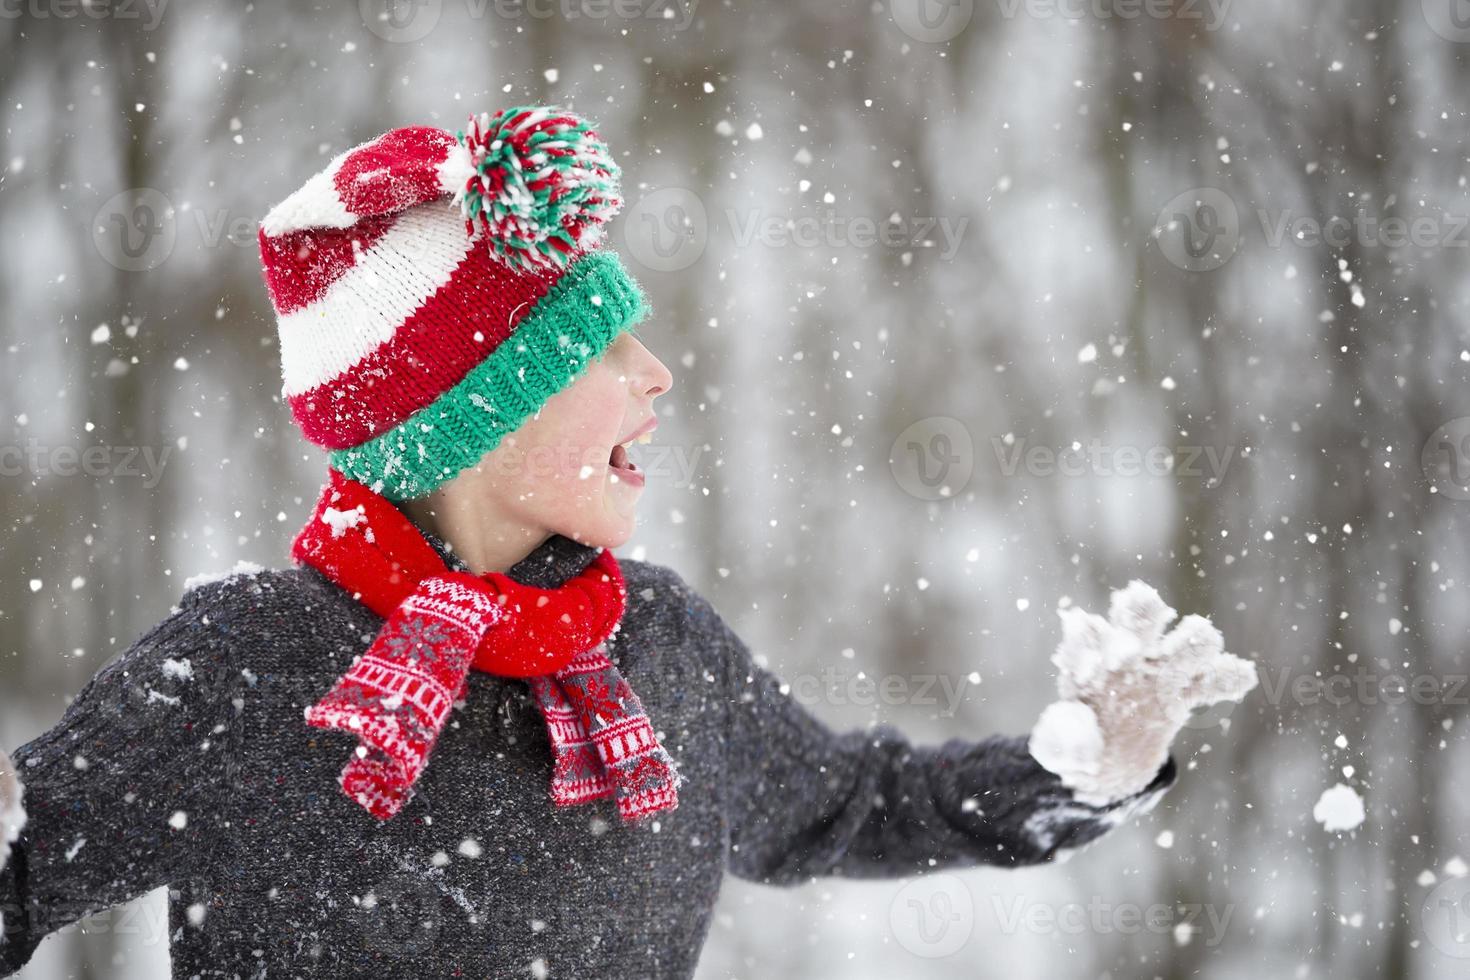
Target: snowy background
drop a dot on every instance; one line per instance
(904, 257)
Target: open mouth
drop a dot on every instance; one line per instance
(622, 464)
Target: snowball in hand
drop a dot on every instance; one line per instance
(1126, 688)
(1067, 739)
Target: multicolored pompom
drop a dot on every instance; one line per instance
(543, 187)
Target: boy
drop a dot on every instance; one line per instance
(341, 768)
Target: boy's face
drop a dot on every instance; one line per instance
(557, 471)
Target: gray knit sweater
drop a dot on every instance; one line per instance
(186, 762)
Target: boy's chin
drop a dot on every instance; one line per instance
(613, 531)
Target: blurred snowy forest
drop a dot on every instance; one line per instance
(973, 308)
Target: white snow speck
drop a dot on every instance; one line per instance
(1165, 839)
(1087, 354)
(1455, 867)
(179, 820)
(1338, 809)
(470, 847)
(340, 520)
(180, 669)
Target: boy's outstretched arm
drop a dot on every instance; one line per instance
(803, 800)
(129, 791)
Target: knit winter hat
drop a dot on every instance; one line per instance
(435, 289)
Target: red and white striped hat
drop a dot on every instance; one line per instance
(434, 289)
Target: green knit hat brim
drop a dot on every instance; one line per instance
(573, 324)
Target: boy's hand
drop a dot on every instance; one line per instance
(12, 817)
(1126, 689)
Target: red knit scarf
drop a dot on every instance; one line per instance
(439, 623)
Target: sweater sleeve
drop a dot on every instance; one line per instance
(128, 791)
(804, 800)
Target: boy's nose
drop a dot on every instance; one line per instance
(651, 377)
(660, 380)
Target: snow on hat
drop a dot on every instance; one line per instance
(435, 289)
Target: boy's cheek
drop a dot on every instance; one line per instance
(569, 475)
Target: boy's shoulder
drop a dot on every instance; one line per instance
(298, 604)
(288, 618)
(252, 589)
(649, 582)
(659, 597)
